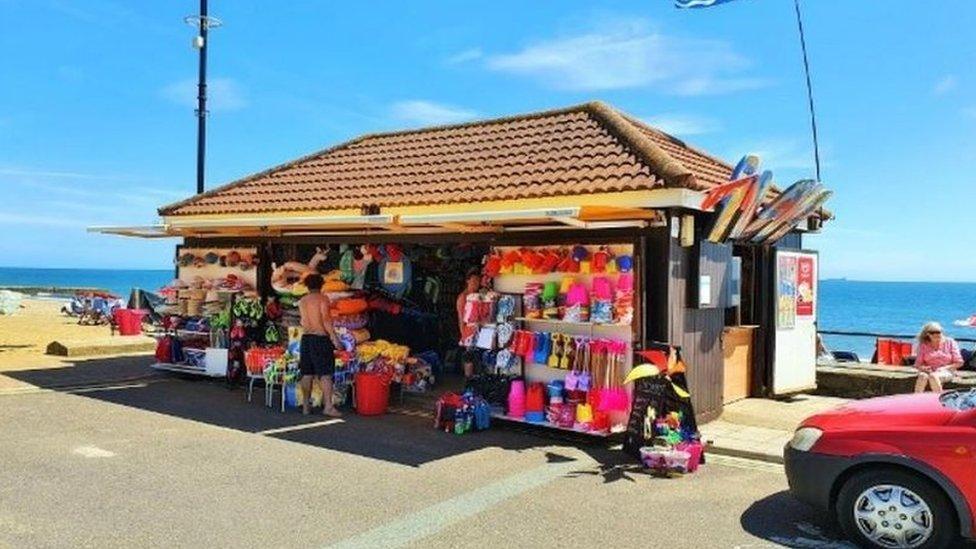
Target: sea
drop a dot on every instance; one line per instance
(119, 282)
(845, 305)
(897, 308)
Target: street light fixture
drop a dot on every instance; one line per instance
(203, 23)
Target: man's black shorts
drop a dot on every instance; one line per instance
(316, 356)
(471, 355)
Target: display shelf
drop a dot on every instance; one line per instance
(547, 425)
(192, 333)
(570, 323)
(515, 283)
(179, 333)
(183, 369)
(558, 274)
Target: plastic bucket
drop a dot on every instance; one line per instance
(906, 350)
(291, 398)
(372, 394)
(895, 353)
(129, 321)
(884, 351)
(695, 450)
(516, 399)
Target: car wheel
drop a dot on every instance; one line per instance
(895, 509)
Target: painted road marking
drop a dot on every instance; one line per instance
(93, 452)
(300, 427)
(437, 517)
(77, 389)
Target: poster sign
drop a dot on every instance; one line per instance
(805, 286)
(786, 304)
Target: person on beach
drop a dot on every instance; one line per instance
(469, 355)
(317, 348)
(936, 359)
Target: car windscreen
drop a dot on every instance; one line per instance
(959, 399)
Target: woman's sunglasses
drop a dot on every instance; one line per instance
(935, 332)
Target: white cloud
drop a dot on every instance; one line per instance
(117, 192)
(630, 54)
(223, 94)
(465, 56)
(683, 124)
(945, 85)
(428, 113)
(55, 174)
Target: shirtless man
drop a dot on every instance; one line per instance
(318, 345)
(472, 282)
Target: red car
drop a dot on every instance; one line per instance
(898, 472)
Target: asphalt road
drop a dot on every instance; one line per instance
(177, 463)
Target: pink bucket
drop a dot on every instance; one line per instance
(695, 450)
(516, 399)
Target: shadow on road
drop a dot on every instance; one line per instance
(84, 371)
(784, 521)
(407, 439)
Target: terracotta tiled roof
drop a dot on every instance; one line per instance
(589, 148)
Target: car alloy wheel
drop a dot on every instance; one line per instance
(893, 516)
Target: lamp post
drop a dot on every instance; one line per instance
(203, 23)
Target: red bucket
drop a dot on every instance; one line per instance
(129, 321)
(372, 394)
(884, 351)
(895, 352)
(906, 350)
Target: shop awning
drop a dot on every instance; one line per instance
(577, 217)
(147, 231)
(569, 217)
(279, 225)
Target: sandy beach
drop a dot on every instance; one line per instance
(25, 335)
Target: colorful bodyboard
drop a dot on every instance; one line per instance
(722, 192)
(789, 214)
(815, 201)
(737, 192)
(750, 208)
(748, 165)
(728, 211)
(778, 207)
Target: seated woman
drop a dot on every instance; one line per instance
(937, 358)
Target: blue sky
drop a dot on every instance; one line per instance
(96, 99)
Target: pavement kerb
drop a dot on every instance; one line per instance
(721, 450)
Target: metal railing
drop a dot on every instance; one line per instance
(887, 336)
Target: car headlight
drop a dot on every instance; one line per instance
(804, 438)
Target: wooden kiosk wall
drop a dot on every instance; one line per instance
(676, 317)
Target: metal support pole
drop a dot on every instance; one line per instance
(202, 99)
(806, 68)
